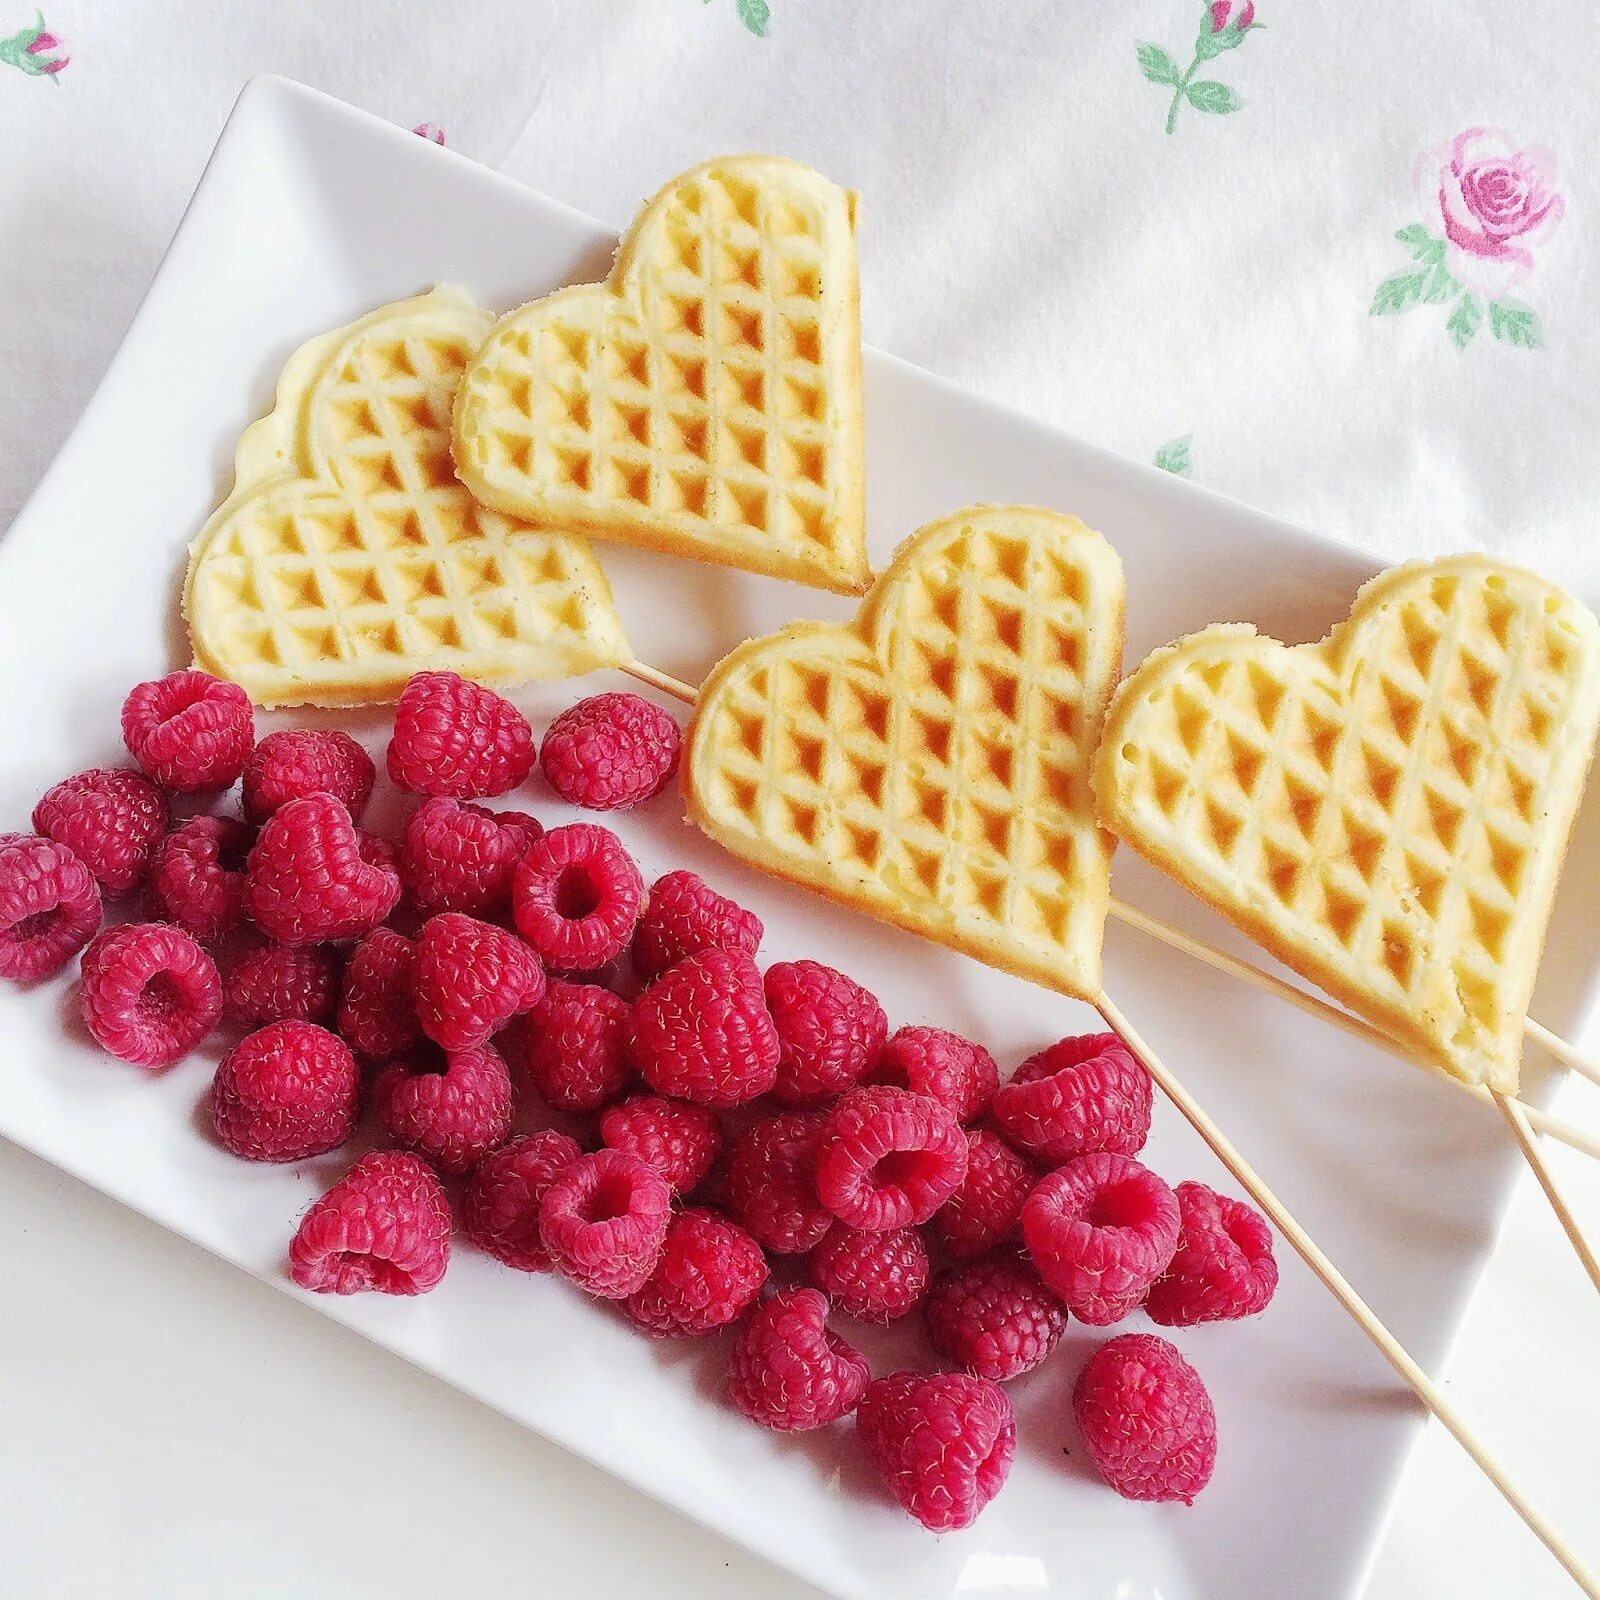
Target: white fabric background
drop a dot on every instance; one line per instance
(168, 1428)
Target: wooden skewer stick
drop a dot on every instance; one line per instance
(1560, 1049)
(1522, 1131)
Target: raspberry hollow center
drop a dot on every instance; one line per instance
(578, 895)
(161, 998)
(37, 926)
(611, 1198)
(903, 1169)
(1117, 1205)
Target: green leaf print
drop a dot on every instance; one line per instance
(1513, 323)
(1157, 65)
(1422, 244)
(1464, 320)
(1173, 456)
(1400, 291)
(1216, 98)
(756, 15)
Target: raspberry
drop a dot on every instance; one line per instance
(1079, 1096)
(150, 993)
(500, 1213)
(1101, 1230)
(49, 906)
(111, 818)
(878, 1276)
(610, 751)
(309, 878)
(285, 1092)
(683, 917)
(575, 1046)
(985, 1209)
(470, 978)
(771, 1182)
(196, 877)
(679, 1140)
(888, 1158)
(576, 896)
(1147, 1419)
(460, 857)
(830, 1031)
(994, 1318)
(384, 1226)
(709, 1273)
(604, 1221)
(377, 1014)
(189, 731)
(300, 761)
(282, 982)
(942, 1441)
(941, 1065)
(457, 738)
(789, 1371)
(702, 1032)
(452, 1107)
(1223, 1267)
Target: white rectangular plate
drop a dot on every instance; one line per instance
(308, 215)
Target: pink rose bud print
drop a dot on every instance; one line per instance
(36, 51)
(430, 131)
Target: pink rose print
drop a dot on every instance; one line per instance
(1223, 26)
(35, 50)
(430, 131)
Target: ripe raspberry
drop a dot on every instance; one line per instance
(941, 1065)
(309, 878)
(285, 1092)
(888, 1158)
(150, 993)
(300, 761)
(49, 906)
(789, 1371)
(189, 731)
(709, 1274)
(576, 896)
(282, 982)
(1101, 1230)
(470, 979)
(830, 1031)
(111, 818)
(575, 1046)
(500, 1213)
(196, 877)
(452, 1107)
(1223, 1267)
(985, 1210)
(377, 1013)
(877, 1276)
(685, 916)
(772, 1182)
(995, 1318)
(457, 738)
(610, 751)
(460, 857)
(679, 1140)
(384, 1226)
(702, 1031)
(1079, 1096)
(604, 1221)
(1147, 1419)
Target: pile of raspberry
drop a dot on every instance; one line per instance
(584, 1075)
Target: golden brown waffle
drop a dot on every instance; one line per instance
(929, 762)
(706, 399)
(1385, 811)
(348, 556)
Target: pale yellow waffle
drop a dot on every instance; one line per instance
(706, 399)
(1385, 811)
(929, 763)
(348, 556)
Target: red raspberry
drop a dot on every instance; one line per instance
(709, 1274)
(285, 1092)
(683, 917)
(830, 1031)
(576, 896)
(789, 1371)
(610, 751)
(384, 1226)
(189, 731)
(1079, 1096)
(942, 1441)
(310, 878)
(888, 1158)
(460, 857)
(470, 979)
(452, 1107)
(282, 983)
(575, 1046)
(377, 1014)
(1147, 1419)
(49, 906)
(772, 1185)
(458, 738)
(300, 761)
(112, 819)
(994, 1318)
(877, 1276)
(702, 1031)
(196, 877)
(985, 1210)
(1101, 1230)
(941, 1065)
(679, 1140)
(150, 993)
(500, 1213)
(604, 1221)
(1223, 1267)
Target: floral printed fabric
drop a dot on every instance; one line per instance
(1222, 28)
(36, 51)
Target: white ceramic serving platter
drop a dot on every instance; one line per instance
(308, 215)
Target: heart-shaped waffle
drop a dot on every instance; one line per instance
(706, 399)
(348, 555)
(1385, 811)
(929, 762)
